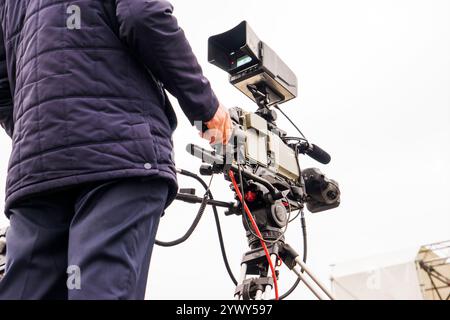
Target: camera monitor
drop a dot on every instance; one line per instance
(250, 62)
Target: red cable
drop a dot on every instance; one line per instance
(258, 233)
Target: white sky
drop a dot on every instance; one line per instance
(374, 91)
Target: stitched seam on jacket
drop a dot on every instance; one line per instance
(75, 97)
(80, 145)
(24, 87)
(39, 54)
(147, 172)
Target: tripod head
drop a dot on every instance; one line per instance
(271, 216)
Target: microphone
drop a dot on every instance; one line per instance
(318, 154)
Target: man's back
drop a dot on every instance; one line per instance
(86, 105)
(82, 94)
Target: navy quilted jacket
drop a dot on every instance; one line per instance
(82, 90)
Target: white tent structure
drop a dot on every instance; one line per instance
(415, 274)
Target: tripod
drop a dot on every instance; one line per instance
(255, 281)
(271, 216)
(268, 193)
(260, 286)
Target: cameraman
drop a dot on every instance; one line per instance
(82, 95)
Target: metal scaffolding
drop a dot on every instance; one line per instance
(433, 265)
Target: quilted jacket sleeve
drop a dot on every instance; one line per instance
(6, 101)
(152, 33)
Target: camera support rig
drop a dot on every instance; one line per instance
(268, 206)
(262, 164)
(260, 287)
(270, 181)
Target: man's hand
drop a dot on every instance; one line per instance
(220, 127)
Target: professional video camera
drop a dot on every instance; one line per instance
(258, 144)
(262, 163)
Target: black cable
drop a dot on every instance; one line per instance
(222, 246)
(191, 229)
(217, 220)
(218, 227)
(289, 119)
(305, 256)
(295, 218)
(209, 195)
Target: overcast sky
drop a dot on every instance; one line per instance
(374, 91)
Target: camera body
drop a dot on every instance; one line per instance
(260, 145)
(259, 150)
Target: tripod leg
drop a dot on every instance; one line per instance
(259, 295)
(241, 279)
(307, 282)
(268, 289)
(305, 267)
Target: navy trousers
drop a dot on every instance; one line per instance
(89, 242)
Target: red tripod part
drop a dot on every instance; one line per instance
(250, 196)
